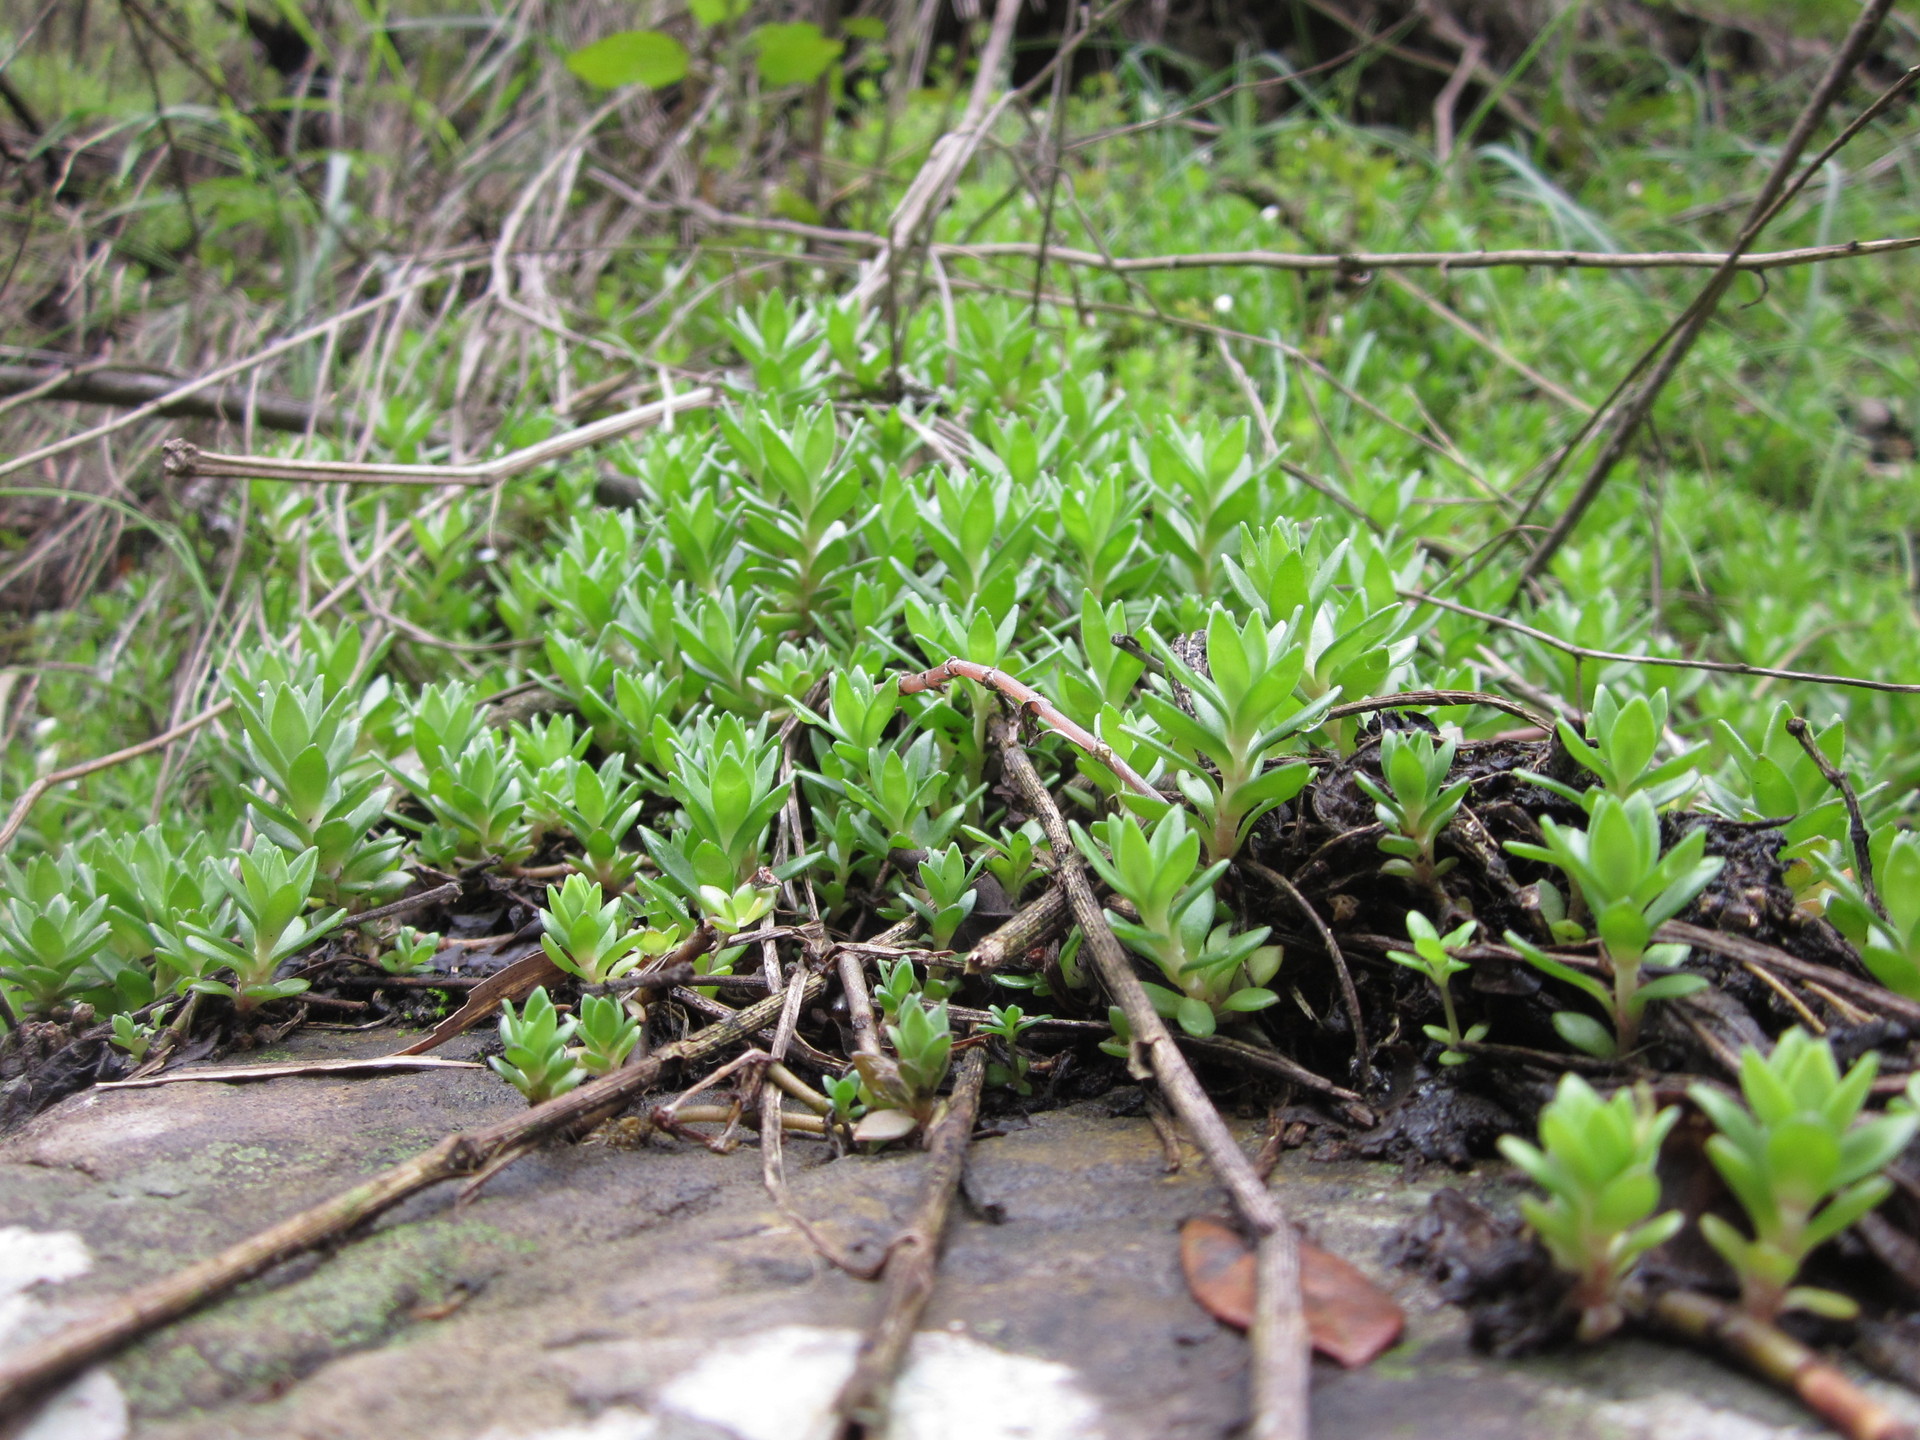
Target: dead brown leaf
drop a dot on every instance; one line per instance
(1351, 1319)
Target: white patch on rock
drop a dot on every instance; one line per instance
(1676, 1415)
(92, 1408)
(619, 1423)
(781, 1384)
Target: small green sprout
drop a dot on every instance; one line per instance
(1779, 781)
(1625, 738)
(270, 897)
(1014, 858)
(1121, 1045)
(1433, 957)
(1889, 947)
(923, 1041)
(1245, 711)
(1038, 984)
(1800, 1162)
(50, 931)
(537, 1061)
(900, 795)
(843, 1094)
(730, 912)
(478, 802)
(948, 895)
(1215, 971)
(608, 1034)
(1596, 1162)
(904, 1087)
(318, 795)
(587, 938)
(136, 1037)
(602, 808)
(726, 780)
(411, 953)
(1416, 804)
(899, 984)
(1008, 1024)
(1631, 889)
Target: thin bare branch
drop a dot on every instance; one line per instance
(1678, 662)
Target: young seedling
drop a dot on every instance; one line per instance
(1433, 957)
(900, 797)
(1625, 738)
(270, 899)
(586, 937)
(1802, 1164)
(1008, 1024)
(1630, 890)
(1596, 1162)
(1416, 804)
(608, 1034)
(905, 1087)
(1215, 971)
(898, 985)
(1121, 1045)
(411, 952)
(843, 1095)
(135, 1037)
(1889, 945)
(1013, 858)
(477, 801)
(302, 746)
(600, 809)
(537, 1061)
(731, 912)
(49, 932)
(1779, 781)
(726, 780)
(1244, 711)
(947, 895)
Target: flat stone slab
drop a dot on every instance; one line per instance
(598, 1293)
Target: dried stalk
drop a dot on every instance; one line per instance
(185, 459)
(1279, 1333)
(1031, 702)
(1254, 1057)
(27, 1374)
(1412, 699)
(1856, 822)
(1356, 264)
(913, 1260)
(95, 385)
(1677, 662)
(1866, 993)
(1033, 924)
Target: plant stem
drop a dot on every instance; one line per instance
(1781, 1360)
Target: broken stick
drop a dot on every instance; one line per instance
(913, 1260)
(1279, 1333)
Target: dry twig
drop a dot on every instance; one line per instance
(1031, 702)
(1678, 662)
(1279, 1334)
(913, 1260)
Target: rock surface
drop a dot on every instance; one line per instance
(599, 1293)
